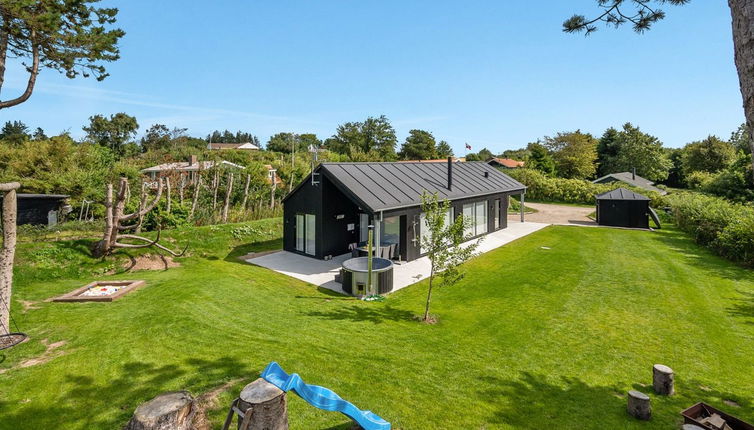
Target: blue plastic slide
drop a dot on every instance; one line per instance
(322, 398)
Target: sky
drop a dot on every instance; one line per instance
(484, 72)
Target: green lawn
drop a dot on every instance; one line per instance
(532, 338)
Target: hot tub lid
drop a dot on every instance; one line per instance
(359, 264)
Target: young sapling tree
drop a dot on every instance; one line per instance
(443, 241)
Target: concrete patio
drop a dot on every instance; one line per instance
(322, 273)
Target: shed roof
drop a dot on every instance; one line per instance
(631, 179)
(394, 185)
(41, 196)
(621, 194)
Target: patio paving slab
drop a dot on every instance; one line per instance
(322, 273)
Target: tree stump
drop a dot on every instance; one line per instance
(168, 411)
(638, 405)
(663, 380)
(264, 405)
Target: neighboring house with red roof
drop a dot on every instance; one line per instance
(506, 163)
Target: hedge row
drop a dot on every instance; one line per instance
(726, 228)
(541, 187)
(723, 226)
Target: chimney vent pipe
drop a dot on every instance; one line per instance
(450, 173)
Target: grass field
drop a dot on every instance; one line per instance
(532, 338)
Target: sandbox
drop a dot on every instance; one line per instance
(100, 291)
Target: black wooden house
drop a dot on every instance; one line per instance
(328, 213)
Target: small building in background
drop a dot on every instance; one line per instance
(506, 163)
(41, 209)
(630, 178)
(272, 176)
(246, 146)
(623, 208)
(185, 169)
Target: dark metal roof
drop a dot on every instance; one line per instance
(630, 179)
(385, 186)
(41, 196)
(621, 194)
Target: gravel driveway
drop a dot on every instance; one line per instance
(558, 214)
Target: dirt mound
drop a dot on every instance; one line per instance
(150, 262)
(207, 402)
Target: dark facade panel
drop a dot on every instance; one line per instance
(623, 213)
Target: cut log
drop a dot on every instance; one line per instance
(638, 405)
(265, 406)
(168, 411)
(663, 380)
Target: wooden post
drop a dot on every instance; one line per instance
(168, 411)
(272, 191)
(8, 250)
(167, 184)
(663, 380)
(195, 199)
(226, 203)
(265, 406)
(215, 186)
(638, 405)
(246, 192)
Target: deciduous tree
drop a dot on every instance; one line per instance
(443, 244)
(708, 155)
(574, 154)
(630, 148)
(371, 135)
(112, 132)
(419, 145)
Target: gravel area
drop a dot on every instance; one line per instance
(558, 214)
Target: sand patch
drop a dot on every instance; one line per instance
(51, 351)
(150, 262)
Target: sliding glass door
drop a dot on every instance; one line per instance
(475, 217)
(305, 233)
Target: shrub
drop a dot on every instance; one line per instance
(727, 228)
(541, 187)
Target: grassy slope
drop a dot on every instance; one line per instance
(530, 336)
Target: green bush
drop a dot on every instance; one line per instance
(578, 191)
(727, 228)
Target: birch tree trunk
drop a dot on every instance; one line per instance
(226, 203)
(742, 12)
(246, 192)
(167, 204)
(215, 186)
(8, 251)
(195, 199)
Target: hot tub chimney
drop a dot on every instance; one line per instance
(450, 173)
(633, 174)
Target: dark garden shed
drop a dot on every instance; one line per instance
(329, 212)
(623, 208)
(40, 209)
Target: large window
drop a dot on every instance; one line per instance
(305, 233)
(496, 213)
(476, 215)
(424, 229)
